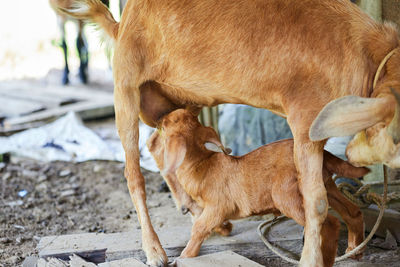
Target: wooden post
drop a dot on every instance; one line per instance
(209, 117)
(372, 8)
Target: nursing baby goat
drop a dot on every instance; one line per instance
(228, 187)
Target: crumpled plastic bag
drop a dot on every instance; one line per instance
(68, 139)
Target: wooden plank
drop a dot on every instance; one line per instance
(244, 240)
(86, 110)
(22, 104)
(93, 255)
(45, 92)
(220, 259)
(11, 107)
(129, 262)
(390, 221)
(36, 96)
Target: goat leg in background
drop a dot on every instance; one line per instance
(61, 25)
(83, 52)
(329, 239)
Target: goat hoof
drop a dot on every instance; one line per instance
(184, 210)
(65, 79)
(357, 256)
(157, 259)
(224, 229)
(83, 77)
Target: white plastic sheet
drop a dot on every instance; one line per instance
(67, 139)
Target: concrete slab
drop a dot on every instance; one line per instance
(220, 259)
(128, 262)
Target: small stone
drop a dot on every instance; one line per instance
(5, 240)
(15, 203)
(19, 240)
(6, 176)
(2, 166)
(13, 259)
(42, 178)
(29, 174)
(41, 187)
(64, 173)
(97, 168)
(67, 193)
(46, 169)
(20, 227)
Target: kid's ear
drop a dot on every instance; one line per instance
(217, 147)
(174, 153)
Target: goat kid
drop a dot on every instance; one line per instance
(291, 57)
(260, 182)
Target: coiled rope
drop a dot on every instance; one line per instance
(369, 197)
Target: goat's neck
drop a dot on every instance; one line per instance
(195, 169)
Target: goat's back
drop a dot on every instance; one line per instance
(242, 44)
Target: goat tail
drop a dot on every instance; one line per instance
(342, 168)
(93, 11)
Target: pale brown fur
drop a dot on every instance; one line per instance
(260, 182)
(291, 57)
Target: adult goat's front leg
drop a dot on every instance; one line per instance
(127, 105)
(308, 157)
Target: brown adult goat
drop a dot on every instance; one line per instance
(291, 57)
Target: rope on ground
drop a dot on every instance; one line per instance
(360, 192)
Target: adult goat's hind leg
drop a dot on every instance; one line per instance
(351, 215)
(329, 239)
(308, 158)
(127, 106)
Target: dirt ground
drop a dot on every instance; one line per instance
(66, 198)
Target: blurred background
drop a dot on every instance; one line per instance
(30, 42)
